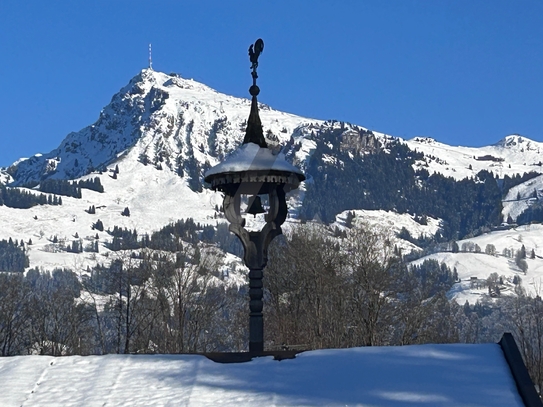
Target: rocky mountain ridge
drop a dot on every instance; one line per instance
(177, 122)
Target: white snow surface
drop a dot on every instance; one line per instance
(420, 375)
(481, 265)
(514, 154)
(527, 192)
(5, 178)
(391, 223)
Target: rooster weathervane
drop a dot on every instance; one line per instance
(254, 52)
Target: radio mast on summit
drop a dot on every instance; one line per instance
(150, 58)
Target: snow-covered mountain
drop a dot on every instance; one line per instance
(514, 154)
(152, 143)
(163, 120)
(168, 120)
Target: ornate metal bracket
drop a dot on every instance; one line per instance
(256, 243)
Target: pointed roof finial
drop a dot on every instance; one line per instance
(254, 132)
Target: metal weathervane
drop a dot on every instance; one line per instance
(254, 52)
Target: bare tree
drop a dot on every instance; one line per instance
(13, 313)
(376, 275)
(190, 298)
(129, 306)
(526, 318)
(57, 320)
(302, 283)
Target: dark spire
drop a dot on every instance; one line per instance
(254, 132)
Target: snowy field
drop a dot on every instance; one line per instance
(511, 155)
(422, 375)
(521, 197)
(481, 265)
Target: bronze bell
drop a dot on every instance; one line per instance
(255, 206)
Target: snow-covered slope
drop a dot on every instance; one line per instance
(521, 197)
(392, 223)
(161, 119)
(154, 198)
(428, 375)
(480, 265)
(513, 154)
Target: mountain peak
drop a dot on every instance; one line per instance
(158, 119)
(168, 121)
(424, 140)
(513, 140)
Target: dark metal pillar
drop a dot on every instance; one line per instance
(256, 321)
(255, 246)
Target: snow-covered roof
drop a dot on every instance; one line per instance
(428, 375)
(251, 157)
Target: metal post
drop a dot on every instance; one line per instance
(256, 321)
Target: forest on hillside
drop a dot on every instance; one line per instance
(385, 179)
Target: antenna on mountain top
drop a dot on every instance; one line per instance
(150, 58)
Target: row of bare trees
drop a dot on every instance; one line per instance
(154, 302)
(330, 293)
(40, 313)
(321, 291)
(161, 302)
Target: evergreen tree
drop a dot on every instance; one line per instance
(455, 248)
(98, 225)
(12, 258)
(349, 219)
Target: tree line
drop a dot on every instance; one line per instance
(21, 199)
(70, 188)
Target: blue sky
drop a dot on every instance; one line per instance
(462, 72)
